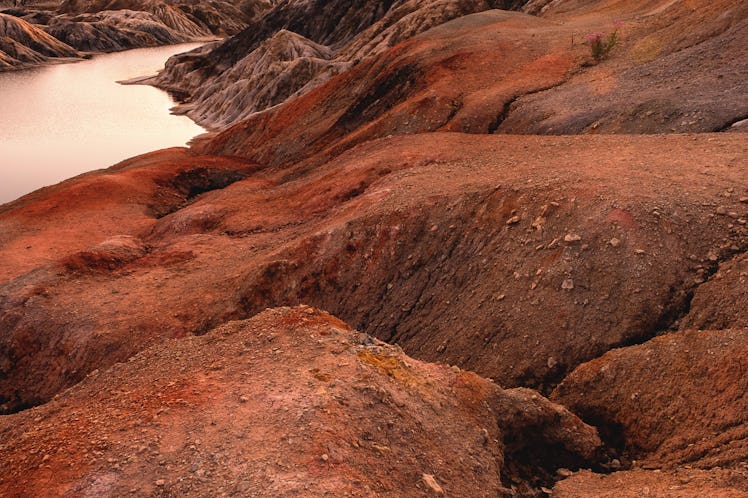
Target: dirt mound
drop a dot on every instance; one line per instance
(405, 238)
(289, 403)
(677, 399)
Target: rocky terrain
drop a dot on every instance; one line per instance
(463, 182)
(33, 33)
(214, 415)
(23, 44)
(294, 49)
(666, 76)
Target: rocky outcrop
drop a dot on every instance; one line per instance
(289, 403)
(22, 44)
(424, 84)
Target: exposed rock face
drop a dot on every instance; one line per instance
(289, 403)
(22, 44)
(677, 399)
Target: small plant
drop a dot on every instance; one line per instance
(601, 44)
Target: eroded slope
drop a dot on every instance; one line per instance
(23, 45)
(477, 251)
(672, 405)
(289, 403)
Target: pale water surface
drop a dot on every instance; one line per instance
(62, 120)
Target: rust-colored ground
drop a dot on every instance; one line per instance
(289, 403)
(381, 197)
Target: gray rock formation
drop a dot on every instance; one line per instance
(294, 48)
(113, 25)
(22, 44)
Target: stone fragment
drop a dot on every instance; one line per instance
(430, 482)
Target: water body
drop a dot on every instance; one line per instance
(62, 120)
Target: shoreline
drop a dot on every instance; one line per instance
(43, 150)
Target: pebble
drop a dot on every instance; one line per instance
(513, 220)
(430, 482)
(567, 284)
(564, 473)
(572, 237)
(744, 200)
(614, 242)
(160, 483)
